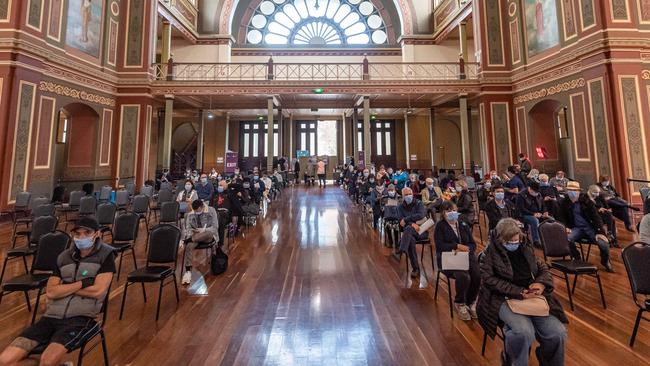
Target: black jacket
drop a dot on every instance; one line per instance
(494, 214)
(497, 276)
(465, 205)
(528, 205)
(412, 213)
(446, 239)
(589, 212)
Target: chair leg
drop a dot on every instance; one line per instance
(422, 261)
(126, 287)
(588, 252)
(4, 267)
(602, 295)
(135, 262)
(144, 292)
(80, 359)
(636, 327)
(451, 308)
(38, 300)
(119, 266)
(484, 343)
(435, 296)
(159, 298)
(176, 288)
(25, 264)
(568, 290)
(104, 347)
(575, 281)
(29, 305)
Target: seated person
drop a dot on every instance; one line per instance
(186, 196)
(644, 229)
(449, 180)
(453, 234)
(484, 193)
(431, 197)
(499, 208)
(549, 194)
(391, 224)
(399, 179)
(204, 188)
(377, 194)
(618, 205)
(410, 212)
(605, 213)
(464, 202)
(75, 294)
(224, 199)
(201, 226)
(250, 206)
(414, 184)
(559, 181)
(494, 178)
(510, 270)
(580, 216)
(367, 184)
(531, 209)
(515, 183)
(213, 174)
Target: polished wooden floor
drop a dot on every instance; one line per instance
(312, 284)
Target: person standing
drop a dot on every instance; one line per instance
(320, 171)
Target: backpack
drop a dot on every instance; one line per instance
(218, 262)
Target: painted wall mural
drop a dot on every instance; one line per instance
(84, 26)
(619, 9)
(644, 10)
(541, 25)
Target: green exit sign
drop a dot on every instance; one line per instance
(318, 91)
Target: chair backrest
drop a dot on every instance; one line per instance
(87, 205)
(22, 199)
(88, 188)
(105, 193)
(75, 198)
(554, 239)
(122, 197)
(147, 191)
(130, 187)
(471, 183)
(163, 244)
(166, 185)
(39, 201)
(169, 211)
(47, 209)
(50, 246)
(125, 227)
(636, 258)
(57, 194)
(140, 203)
(645, 193)
(165, 195)
(105, 213)
(41, 226)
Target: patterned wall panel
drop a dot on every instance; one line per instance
(634, 130)
(569, 19)
(514, 43)
(619, 10)
(522, 131)
(105, 138)
(644, 10)
(135, 33)
(588, 14)
(44, 133)
(493, 29)
(4, 9)
(54, 24)
(111, 56)
(599, 128)
(501, 135)
(579, 126)
(128, 140)
(34, 13)
(22, 137)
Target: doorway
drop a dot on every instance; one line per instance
(252, 147)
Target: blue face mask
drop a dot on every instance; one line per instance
(391, 193)
(85, 243)
(256, 177)
(499, 196)
(573, 195)
(220, 189)
(408, 199)
(544, 184)
(452, 216)
(511, 247)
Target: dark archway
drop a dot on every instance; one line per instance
(77, 145)
(184, 140)
(545, 123)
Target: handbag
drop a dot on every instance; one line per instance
(202, 237)
(455, 261)
(534, 306)
(218, 262)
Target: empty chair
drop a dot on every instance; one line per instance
(141, 208)
(166, 185)
(162, 257)
(556, 245)
(122, 199)
(169, 212)
(87, 207)
(50, 245)
(41, 226)
(47, 209)
(105, 193)
(21, 205)
(105, 216)
(636, 258)
(73, 203)
(124, 233)
(164, 195)
(130, 187)
(147, 191)
(57, 194)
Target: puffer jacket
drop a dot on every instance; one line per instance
(496, 285)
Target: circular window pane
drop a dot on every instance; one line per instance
(272, 38)
(374, 21)
(379, 37)
(355, 2)
(359, 39)
(278, 1)
(355, 29)
(366, 8)
(254, 36)
(267, 7)
(258, 21)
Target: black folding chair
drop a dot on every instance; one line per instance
(555, 244)
(122, 200)
(21, 206)
(73, 203)
(163, 250)
(105, 217)
(636, 258)
(168, 215)
(105, 194)
(164, 195)
(45, 263)
(124, 234)
(47, 209)
(87, 207)
(141, 207)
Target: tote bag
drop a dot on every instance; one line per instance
(455, 261)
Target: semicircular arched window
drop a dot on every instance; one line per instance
(316, 23)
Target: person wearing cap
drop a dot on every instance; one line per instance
(531, 208)
(201, 226)
(75, 293)
(580, 216)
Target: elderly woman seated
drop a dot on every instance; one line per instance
(510, 271)
(410, 212)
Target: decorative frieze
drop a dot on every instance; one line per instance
(555, 89)
(645, 74)
(49, 87)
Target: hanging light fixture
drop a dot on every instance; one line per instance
(210, 115)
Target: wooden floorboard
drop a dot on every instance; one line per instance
(311, 284)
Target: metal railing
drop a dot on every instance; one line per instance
(434, 71)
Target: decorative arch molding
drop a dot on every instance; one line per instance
(403, 7)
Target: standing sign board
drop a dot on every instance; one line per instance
(232, 159)
(361, 158)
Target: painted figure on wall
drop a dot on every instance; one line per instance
(541, 25)
(84, 25)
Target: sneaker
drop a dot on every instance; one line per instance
(187, 278)
(472, 311)
(608, 267)
(463, 311)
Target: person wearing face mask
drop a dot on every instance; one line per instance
(414, 184)
(186, 196)
(296, 170)
(593, 192)
(452, 234)
(549, 194)
(389, 174)
(494, 178)
(320, 171)
(75, 293)
(580, 216)
(367, 186)
(618, 205)
(228, 208)
(410, 212)
(188, 173)
(201, 226)
(377, 194)
(464, 202)
(195, 176)
(559, 181)
(515, 184)
(530, 206)
(431, 197)
(499, 208)
(399, 179)
(391, 215)
(213, 174)
(525, 164)
(449, 180)
(510, 270)
(205, 189)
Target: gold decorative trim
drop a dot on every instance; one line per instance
(46, 86)
(556, 89)
(645, 74)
